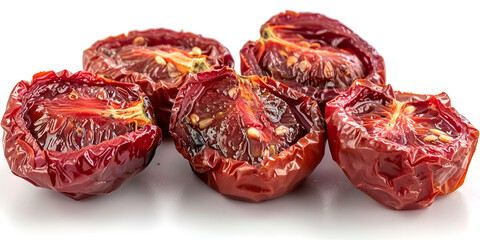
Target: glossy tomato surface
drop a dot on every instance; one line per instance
(158, 60)
(249, 138)
(78, 134)
(311, 53)
(402, 149)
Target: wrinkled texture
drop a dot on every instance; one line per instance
(402, 149)
(311, 53)
(158, 60)
(78, 134)
(249, 138)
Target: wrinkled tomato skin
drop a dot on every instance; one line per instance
(89, 171)
(263, 58)
(274, 176)
(161, 91)
(399, 176)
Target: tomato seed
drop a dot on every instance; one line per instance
(232, 92)
(273, 150)
(291, 60)
(281, 130)
(194, 117)
(304, 65)
(139, 40)
(328, 70)
(205, 123)
(196, 51)
(253, 133)
(437, 132)
(282, 53)
(445, 138)
(304, 44)
(160, 60)
(430, 138)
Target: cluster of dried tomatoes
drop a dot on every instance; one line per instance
(252, 137)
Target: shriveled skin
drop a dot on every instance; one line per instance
(66, 116)
(79, 134)
(402, 149)
(242, 121)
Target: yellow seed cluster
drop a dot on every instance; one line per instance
(439, 135)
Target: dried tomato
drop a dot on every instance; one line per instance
(158, 61)
(78, 134)
(311, 53)
(249, 138)
(402, 149)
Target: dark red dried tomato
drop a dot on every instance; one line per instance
(311, 53)
(158, 61)
(78, 134)
(248, 138)
(402, 149)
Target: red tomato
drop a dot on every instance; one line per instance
(311, 53)
(402, 149)
(249, 138)
(157, 60)
(78, 134)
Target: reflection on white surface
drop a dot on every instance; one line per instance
(168, 198)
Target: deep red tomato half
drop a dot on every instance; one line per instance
(402, 149)
(157, 60)
(311, 53)
(249, 138)
(78, 134)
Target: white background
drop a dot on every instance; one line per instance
(429, 47)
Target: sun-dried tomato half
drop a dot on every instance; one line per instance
(249, 138)
(402, 149)
(78, 134)
(311, 53)
(157, 60)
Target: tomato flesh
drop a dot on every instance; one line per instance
(310, 62)
(242, 121)
(67, 116)
(407, 123)
(160, 63)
